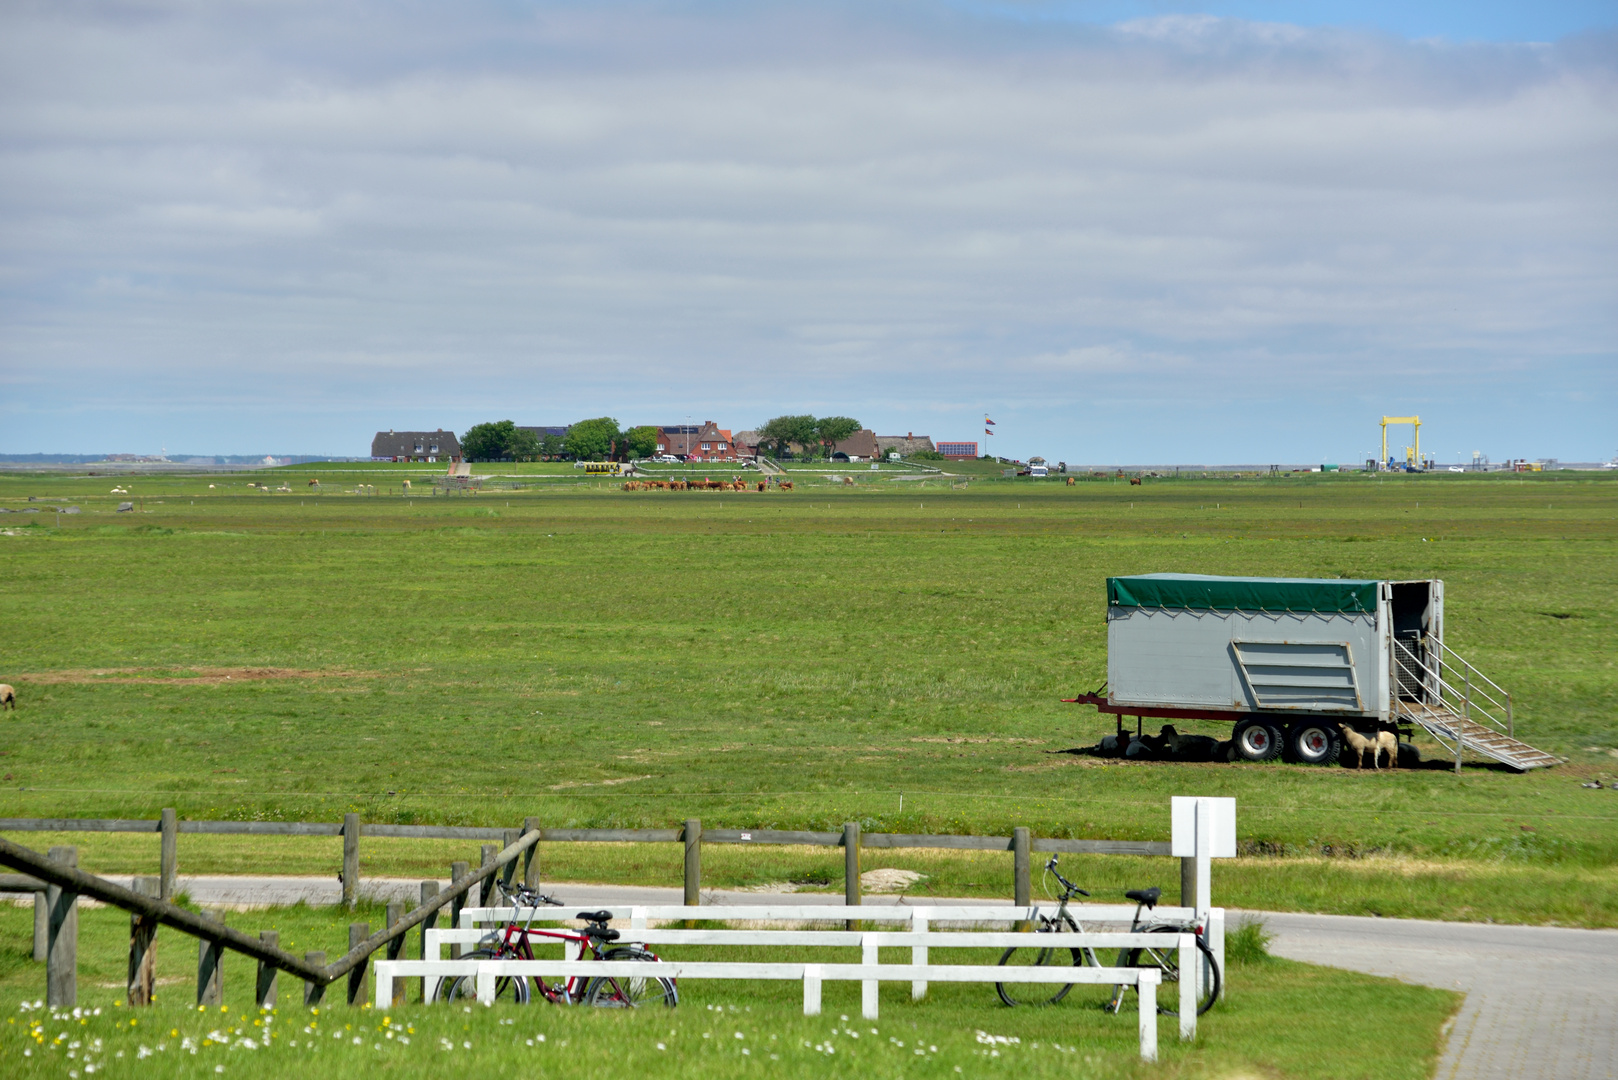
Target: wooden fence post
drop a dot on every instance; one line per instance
(484, 889)
(851, 867)
(42, 925)
(429, 890)
(359, 977)
(143, 948)
(169, 865)
(313, 992)
(396, 949)
(62, 937)
(210, 965)
(457, 870)
(507, 838)
(351, 860)
(1188, 881)
(264, 990)
(693, 862)
(530, 858)
(1022, 846)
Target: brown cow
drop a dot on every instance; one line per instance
(786, 485)
(1134, 481)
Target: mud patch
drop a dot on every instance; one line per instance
(185, 676)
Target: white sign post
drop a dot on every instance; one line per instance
(1204, 829)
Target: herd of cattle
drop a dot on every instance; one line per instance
(736, 484)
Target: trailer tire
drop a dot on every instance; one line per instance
(1257, 740)
(1409, 756)
(1314, 742)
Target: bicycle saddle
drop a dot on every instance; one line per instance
(594, 916)
(1148, 897)
(601, 933)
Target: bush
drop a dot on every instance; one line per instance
(1248, 943)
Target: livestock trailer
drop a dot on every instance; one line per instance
(1291, 661)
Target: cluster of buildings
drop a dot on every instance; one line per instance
(705, 442)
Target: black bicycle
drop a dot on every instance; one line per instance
(1165, 959)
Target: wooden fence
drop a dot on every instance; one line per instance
(57, 883)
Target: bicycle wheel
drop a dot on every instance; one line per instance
(506, 990)
(1013, 992)
(616, 992)
(1167, 960)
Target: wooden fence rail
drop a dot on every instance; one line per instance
(1021, 844)
(57, 883)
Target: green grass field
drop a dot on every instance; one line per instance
(890, 652)
(791, 659)
(718, 1030)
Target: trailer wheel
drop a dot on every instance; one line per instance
(1257, 740)
(1313, 742)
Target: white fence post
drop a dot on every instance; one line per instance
(1190, 990)
(811, 989)
(919, 923)
(383, 971)
(868, 987)
(1148, 1013)
(486, 979)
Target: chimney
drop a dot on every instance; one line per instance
(910, 434)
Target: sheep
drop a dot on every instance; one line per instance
(1374, 744)
(8, 696)
(1359, 744)
(1387, 740)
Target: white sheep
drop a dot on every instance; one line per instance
(8, 696)
(1387, 740)
(1361, 744)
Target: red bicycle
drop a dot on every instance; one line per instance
(594, 942)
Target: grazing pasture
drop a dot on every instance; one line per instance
(889, 652)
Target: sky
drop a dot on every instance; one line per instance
(1129, 232)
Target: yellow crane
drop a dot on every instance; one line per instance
(1412, 453)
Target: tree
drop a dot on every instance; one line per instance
(784, 430)
(595, 440)
(522, 446)
(552, 447)
(831, 430)
(641, 441)
(487, 442)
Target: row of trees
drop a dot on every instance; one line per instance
(588, 440)
(812, 437)
(601, 439)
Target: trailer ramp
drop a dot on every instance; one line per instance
(1460, 706)
(1449, 727)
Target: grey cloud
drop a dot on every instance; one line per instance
(900, 206)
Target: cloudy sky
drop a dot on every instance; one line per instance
(1127, 231)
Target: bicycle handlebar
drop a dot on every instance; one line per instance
(1071, 889)
(523, 894)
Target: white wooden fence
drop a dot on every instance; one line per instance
(919, 935)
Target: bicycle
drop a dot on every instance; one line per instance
(514, 942)
(1166, 959)
(1014, 993)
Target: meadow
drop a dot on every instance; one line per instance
(891, 652)
(717, 1031)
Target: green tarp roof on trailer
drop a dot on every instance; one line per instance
(1204, 592)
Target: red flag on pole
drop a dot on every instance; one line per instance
(986, 420)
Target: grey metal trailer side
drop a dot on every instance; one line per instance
(1290, 661)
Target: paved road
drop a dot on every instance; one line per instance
(1540, 1001)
